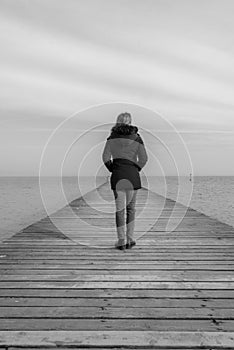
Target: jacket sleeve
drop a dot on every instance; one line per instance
(141, 154)
(106, 157)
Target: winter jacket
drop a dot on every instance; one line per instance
(124, 155)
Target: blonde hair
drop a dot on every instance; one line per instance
(124, 118)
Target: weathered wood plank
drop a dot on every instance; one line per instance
(112, 348)
(50, 268)
(104, 348)
(57, 290)
(116, 285)
(119, 257)
(116, 324)
(118, 293)
(117, 312)
(124, 275)
(116, 338)
(120, 302)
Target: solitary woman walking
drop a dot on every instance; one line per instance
(125, 155)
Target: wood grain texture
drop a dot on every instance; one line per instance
(116, 338)
(63, 284)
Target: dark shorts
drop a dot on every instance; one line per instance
(125, 178)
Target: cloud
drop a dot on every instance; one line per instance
(40, 62)
(60, 57)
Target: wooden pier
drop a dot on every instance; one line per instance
(63, 285)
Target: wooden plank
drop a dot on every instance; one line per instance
(56, 290)
(140, 249)
(116, 324)
(115, 348)
(138, 302)
(117, 285)
(124, 275)
(106, 348)
(53, 268)
(117, 264)
(117, 259)
(181, 251)
(111, 238)
(167, 241)
(105, 254)
(118, 293)
(117, 312)
(116, 338)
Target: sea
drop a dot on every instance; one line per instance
(24, 200)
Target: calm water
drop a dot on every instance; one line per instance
(211, 195)
(22, 199)
(21, 203)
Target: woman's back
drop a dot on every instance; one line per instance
(124, 155)
(124, 142)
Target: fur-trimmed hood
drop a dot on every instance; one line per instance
(125, 133)
(124, 129)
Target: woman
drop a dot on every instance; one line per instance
(124, 155)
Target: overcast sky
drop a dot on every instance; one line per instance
(173, 57)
